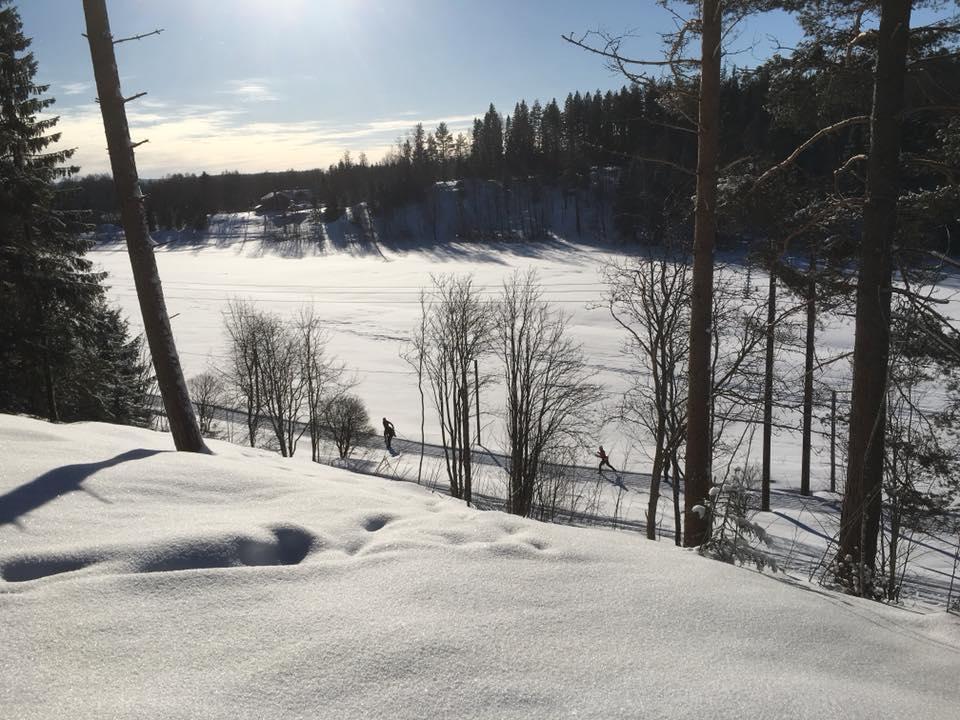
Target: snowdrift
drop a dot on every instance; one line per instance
(138, 582)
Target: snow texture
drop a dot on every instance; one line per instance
(142, 583)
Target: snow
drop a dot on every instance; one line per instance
(367, 295)
(139, 582)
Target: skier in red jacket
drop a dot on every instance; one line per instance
(604, 460)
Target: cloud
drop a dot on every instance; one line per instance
(75, 88)
(251, 90)
(197, 138)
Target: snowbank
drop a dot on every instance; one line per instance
(138, 582)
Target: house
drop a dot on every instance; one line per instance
(283, 200)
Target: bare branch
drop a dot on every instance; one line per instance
(613, 54)
(138, 37)
(846, 168)
(909, 294)
(948, 171)
(816, 137)
(944, 258)
(641, 158)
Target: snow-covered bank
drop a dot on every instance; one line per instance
(138, 582)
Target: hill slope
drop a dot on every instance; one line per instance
(139, 582)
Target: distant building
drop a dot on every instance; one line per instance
(283, 200)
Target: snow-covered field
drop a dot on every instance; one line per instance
(368, 296)
(143, 583)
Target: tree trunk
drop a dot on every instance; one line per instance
(677, 516)
(659, 459)
(53, 412)
(465, 431)
(809, 348)
(423, 420)
(156, 322)
(768, 393)
(697, 474)
(860, 517)
(895, 516)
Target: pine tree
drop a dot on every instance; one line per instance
(66, 354)
(153, 310)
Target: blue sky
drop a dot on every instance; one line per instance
(254, 85)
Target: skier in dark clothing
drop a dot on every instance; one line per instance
(604, 460)
(389, 433)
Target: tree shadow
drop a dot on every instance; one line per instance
(59, 481)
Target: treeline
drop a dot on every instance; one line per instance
(639, 131)
(556, 143)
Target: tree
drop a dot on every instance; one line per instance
(698, 472)
(649, 298)
(242, 325)
(455, 335)
(207, 392)
(66, 354)
(550, 400)
(713, 19)
(414, 355)
(444, 144)
(490, 143)
(322, 375)
(860, 515)
(349, 422)
(920, 445)
(735, 536)
(156, 322)
(282, 381)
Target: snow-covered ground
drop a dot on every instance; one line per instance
(143, 583)
(368, 295)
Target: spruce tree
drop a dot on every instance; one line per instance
(66, 354)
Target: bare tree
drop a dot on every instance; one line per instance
(649, 298)
(242, 324)
(348, 421)
(207, 390)
(695, 75)
(415, 358)
(456, 333)
(282, 380)
(156, 321)
(549, 397)
(322, 375)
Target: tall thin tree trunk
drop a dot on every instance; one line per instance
(860, 515)
(697, 475)
(768, 393)
(53, 412)
(156, 322)
(659, 460)
(423, 419)
(677, 516)
(809, 349)
(465, 430)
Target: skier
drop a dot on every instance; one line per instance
(389, 433)
(604, 460)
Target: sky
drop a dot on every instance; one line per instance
(250, 85)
